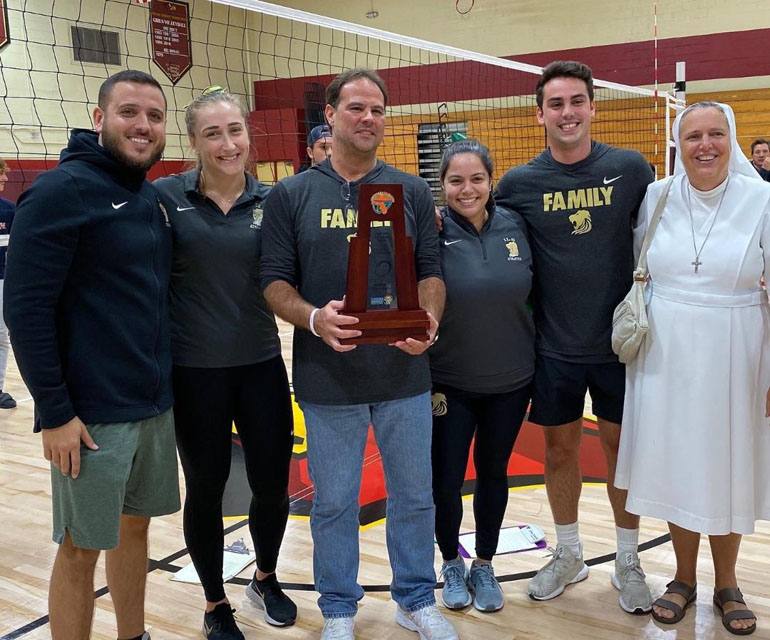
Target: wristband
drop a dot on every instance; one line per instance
(312, 317)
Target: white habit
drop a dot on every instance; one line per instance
(695, 443)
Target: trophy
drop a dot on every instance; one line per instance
(381, 284)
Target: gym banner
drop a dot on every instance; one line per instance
(5, 37)
(170, 32)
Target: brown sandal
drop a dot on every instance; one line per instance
(689, 593)
(734, 595)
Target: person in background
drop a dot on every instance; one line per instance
(760, 157)
(319, 144)
(227, 359)
(7, 210)
(481, 366)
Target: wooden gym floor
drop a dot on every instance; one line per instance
(586, 611)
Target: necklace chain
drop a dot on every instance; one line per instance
(697, 251)
(228, 200)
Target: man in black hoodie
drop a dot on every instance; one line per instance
(85, 301)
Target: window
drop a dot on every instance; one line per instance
(93, 45)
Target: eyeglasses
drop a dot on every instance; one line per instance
(345, 194)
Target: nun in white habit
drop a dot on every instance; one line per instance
(695, 439)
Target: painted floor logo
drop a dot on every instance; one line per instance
(525, 468)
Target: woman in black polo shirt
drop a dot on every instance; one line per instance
(482, 365)
(227, 358)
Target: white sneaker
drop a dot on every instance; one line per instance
(428, 622)
(564, 568)
(338, 629)
(630, 580)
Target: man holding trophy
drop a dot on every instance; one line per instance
(342, 384)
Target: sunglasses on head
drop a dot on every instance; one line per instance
(215, 88)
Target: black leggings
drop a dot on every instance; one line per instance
(495, 419)
(207, 401)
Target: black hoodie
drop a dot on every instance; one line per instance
(86, 290)
(305, 242)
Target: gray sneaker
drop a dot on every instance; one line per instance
(564, 568)
(487, 594)
(455, 594)
(338, 629)
(630, 580)
(428, 622)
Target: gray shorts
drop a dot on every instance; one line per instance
(134, 472)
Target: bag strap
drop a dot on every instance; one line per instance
(642, 263)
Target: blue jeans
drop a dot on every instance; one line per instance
(336, 438)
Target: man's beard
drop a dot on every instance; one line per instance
(111, 143)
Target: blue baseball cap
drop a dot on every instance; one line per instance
(321, 131)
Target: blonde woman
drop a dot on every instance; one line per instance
(227, 359)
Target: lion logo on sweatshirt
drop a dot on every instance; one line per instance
(256, 217)
(581, 222)
(438, 405)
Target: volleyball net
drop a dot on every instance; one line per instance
(279, 61)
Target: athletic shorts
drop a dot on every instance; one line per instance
(134, 472)
(559, 391)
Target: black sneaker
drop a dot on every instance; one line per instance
(6, 401)
(219, 624)
(266, 594)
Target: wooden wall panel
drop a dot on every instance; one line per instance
(514, 137)
(752, 112)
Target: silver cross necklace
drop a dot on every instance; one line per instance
(697, 263)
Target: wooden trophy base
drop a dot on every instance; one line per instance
(388, 326)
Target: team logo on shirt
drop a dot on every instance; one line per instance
(513, 248)
(257, 218)
(355, 235)
(580, 200)
(3, 227)
(165, 215)
(581, 222)
(438, 405)
(348, 219)
(381, 202)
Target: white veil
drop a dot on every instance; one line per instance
(739, 163)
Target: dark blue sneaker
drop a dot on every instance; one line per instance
(266, 594)
(6, 401)
(219, 624)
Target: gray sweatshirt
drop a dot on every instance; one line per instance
(305, 242)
